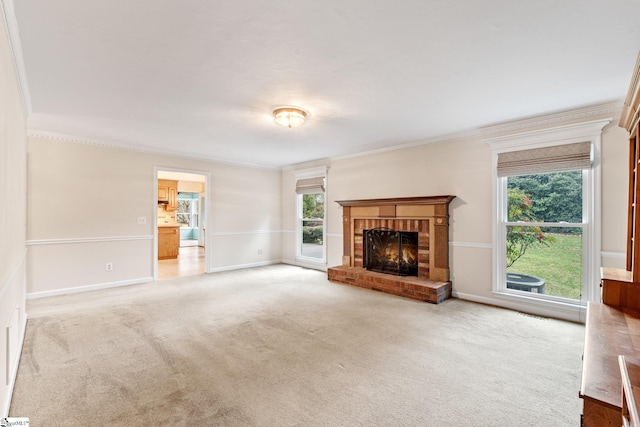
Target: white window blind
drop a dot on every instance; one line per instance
(543, 160)
(310, 185)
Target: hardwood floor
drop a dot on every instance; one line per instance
(190, 261)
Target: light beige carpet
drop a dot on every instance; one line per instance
(282, 346)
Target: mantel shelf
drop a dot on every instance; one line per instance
(399, 201)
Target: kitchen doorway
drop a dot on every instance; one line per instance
(180, 232)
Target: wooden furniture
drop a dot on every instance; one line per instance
(629, 121)
(168, 241)
(610, 332)
(168, 192)
(618, 288)
(629, 369)
(613, 326)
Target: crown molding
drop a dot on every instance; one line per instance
(569, 133)
(631, 112)
(609, 109)
(584, 114)
(452, 137)
(57, 137)
(11, 24)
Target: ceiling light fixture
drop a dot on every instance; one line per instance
(289, 116)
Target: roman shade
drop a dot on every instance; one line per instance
(310, 185)
(556, 158)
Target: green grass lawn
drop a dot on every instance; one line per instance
(559, 264)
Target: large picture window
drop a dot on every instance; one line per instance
(547, 244)
(543, 234)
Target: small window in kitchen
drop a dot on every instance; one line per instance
(187, 214)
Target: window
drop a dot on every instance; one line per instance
(187, 214)
(546, 235)
(310, 214)
(312, 223)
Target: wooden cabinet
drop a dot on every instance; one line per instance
(163, 193)
(168, 192)
(613, 326)
(168, 241)
(173, 198)
(630, 373)
(629, 121)
(610, 331)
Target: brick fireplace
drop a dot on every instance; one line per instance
(428, 216)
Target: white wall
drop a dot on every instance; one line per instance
(12, 219)
(462, 168)
(84, 202)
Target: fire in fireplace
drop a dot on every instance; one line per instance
(390, 251)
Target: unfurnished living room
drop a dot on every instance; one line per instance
(319, 213)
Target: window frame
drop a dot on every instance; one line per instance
(500, 282)
(591, 220)
(301, 260)
(193, 211)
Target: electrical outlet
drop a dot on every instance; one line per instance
(108, 266)
(142, 220)
(259, 251)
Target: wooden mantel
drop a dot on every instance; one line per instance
(430, 200)
(432, 209)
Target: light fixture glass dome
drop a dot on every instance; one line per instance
(289, 116)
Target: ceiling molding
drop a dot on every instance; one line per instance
(52, 136)
(613, 108)
(452, 137)
(9, 15)
(631, 112)
(609, 109)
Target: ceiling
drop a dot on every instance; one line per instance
(202, 77)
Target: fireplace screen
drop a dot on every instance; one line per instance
(390, 251)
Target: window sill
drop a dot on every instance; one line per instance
(313, 263)
(574, 311)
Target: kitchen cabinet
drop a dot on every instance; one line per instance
(168, 194)
(168, 241)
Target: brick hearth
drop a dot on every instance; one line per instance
(428, 216)
(416, 288)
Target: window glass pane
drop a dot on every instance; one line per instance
(182, 215)
(312, 239)
(545, 260)
(549, 197)
(313, 205)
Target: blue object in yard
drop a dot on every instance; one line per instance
(522, 282)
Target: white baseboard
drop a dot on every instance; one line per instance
(242, 266)
(14, 374)
(88, 288)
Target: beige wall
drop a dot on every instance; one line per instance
(12, 220)
(84, 202)
(462, 168)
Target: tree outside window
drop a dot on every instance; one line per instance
(544, 230)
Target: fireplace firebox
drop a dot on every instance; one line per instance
(390, 251)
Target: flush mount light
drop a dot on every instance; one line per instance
(289, 116)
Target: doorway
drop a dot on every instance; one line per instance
(180, 232)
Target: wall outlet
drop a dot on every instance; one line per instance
(108, 266)
(259, 251)
(142, 220)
